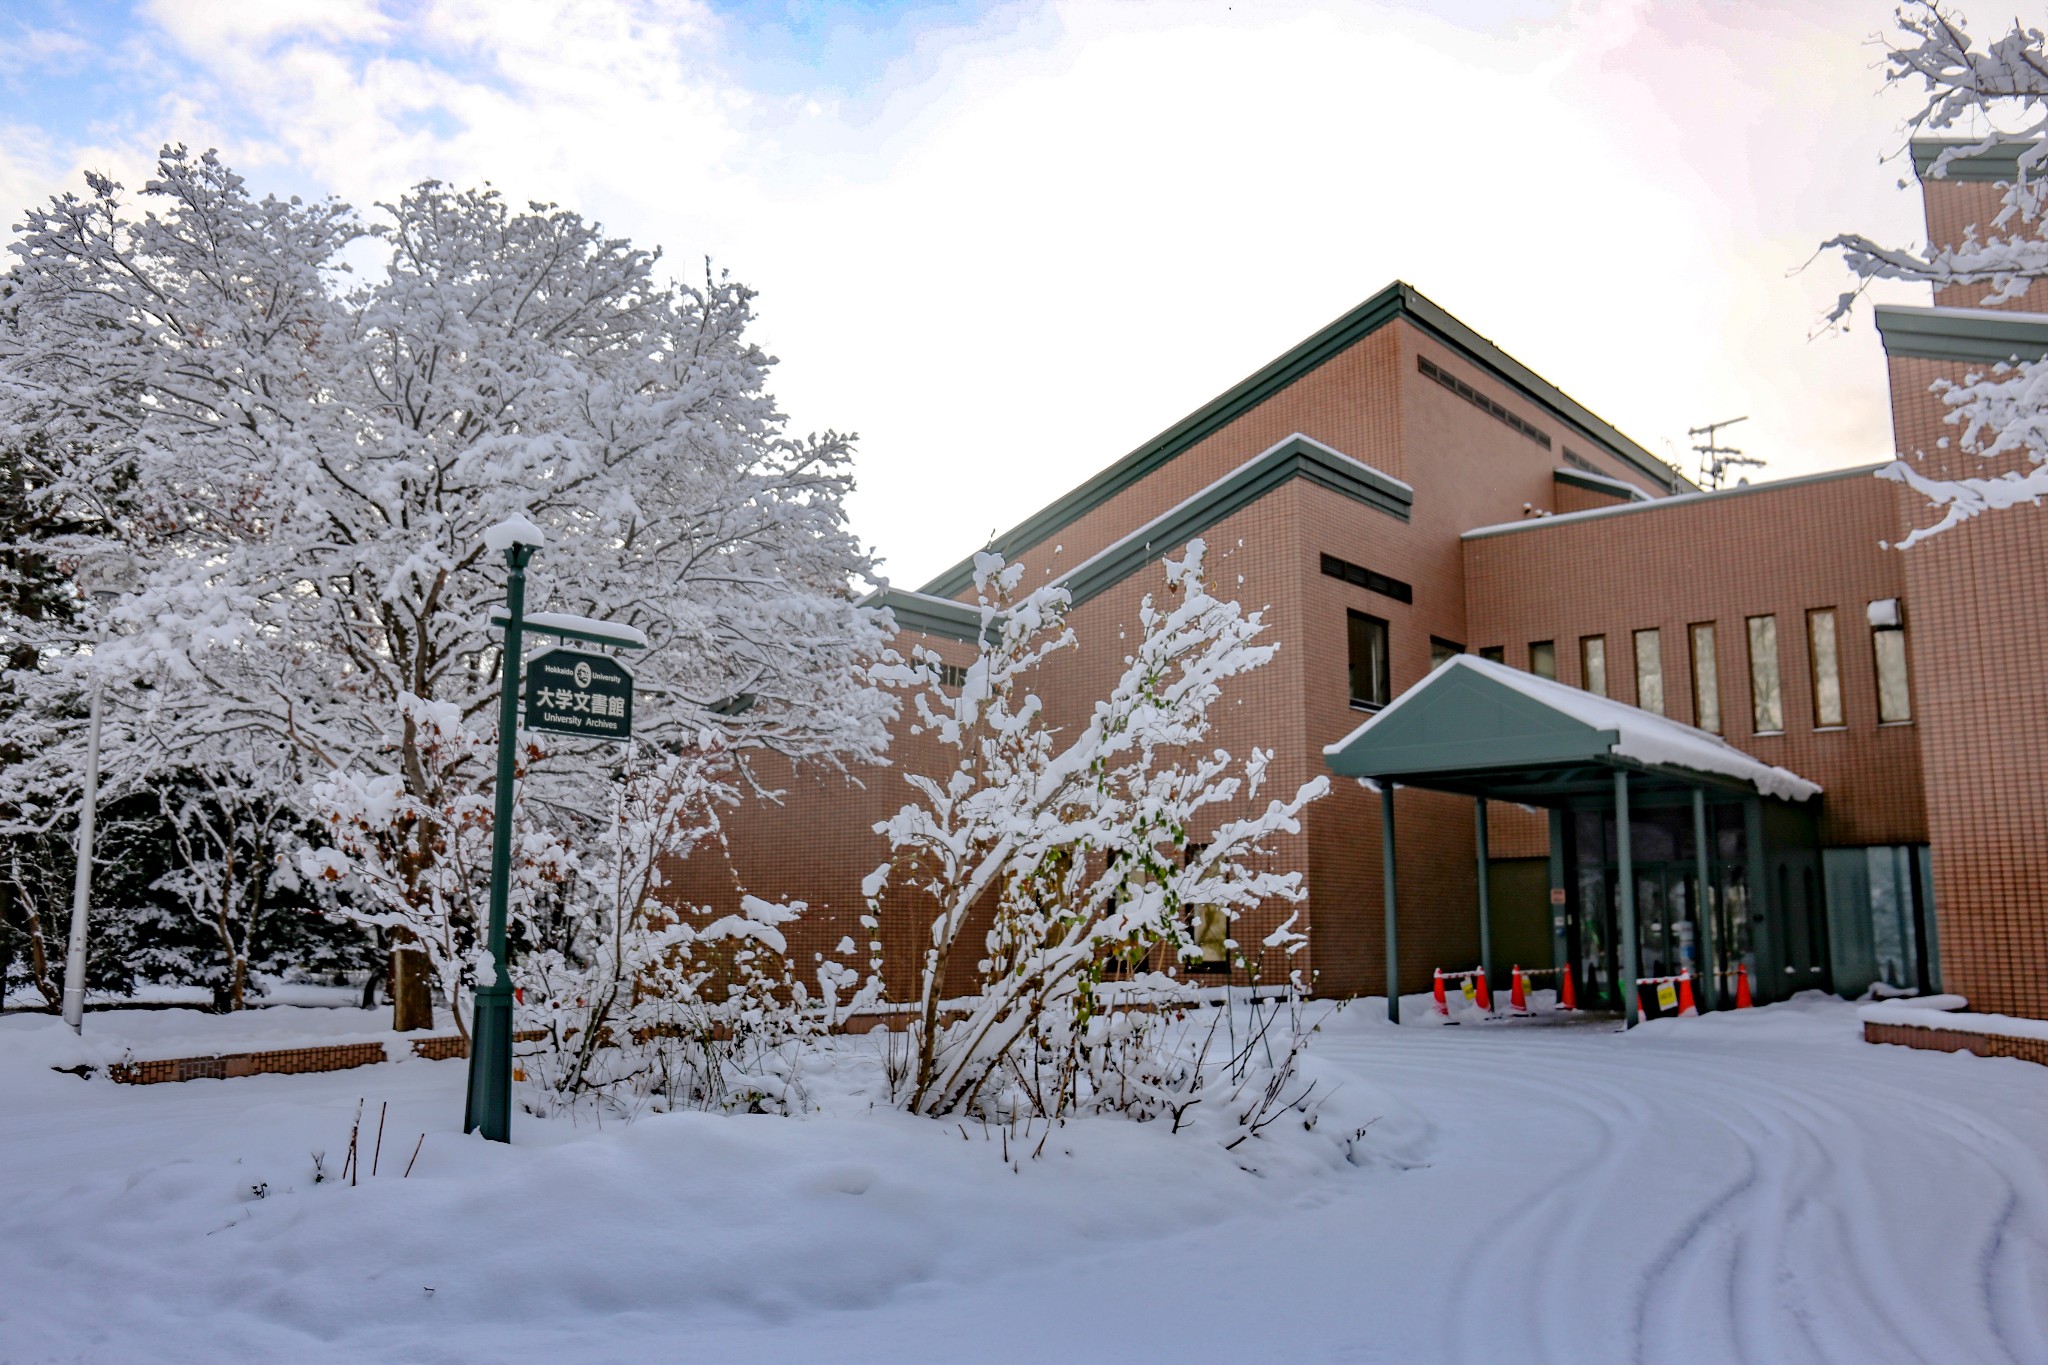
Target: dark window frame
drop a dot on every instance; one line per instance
(1550, 645)
(1384, 682)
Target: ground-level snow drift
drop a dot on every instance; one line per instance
(1753, 1187)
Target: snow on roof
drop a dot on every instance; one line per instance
(1623, 509)
(1644, 736)
(1607, 480)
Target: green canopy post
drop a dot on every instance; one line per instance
(1708, 997)
(1393, 918)
(1626, 874)
(1485, 899)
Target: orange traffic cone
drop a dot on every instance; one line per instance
(1518, 994)
(1442, 1006)
(1484, 995)
(1742, 1000)
(1567, 999)
(1685, 1001)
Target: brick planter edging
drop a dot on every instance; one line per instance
(1937, 1039)
(291, 1061)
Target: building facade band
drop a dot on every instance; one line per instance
(1395, 491)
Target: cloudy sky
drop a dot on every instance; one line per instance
(1006, 242)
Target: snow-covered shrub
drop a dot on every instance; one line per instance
(1091, 850)
(641, 999)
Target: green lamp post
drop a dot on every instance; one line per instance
(582, 695)
(490, 1028)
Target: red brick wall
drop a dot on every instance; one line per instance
(1953, 207)
(1977, 614)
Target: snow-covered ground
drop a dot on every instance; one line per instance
(1752, 1187)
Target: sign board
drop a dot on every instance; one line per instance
(1557, 895)
(1667, 996)
(573, 692)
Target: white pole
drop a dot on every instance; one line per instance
(81, 887)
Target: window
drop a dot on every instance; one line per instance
(1650, 670)
(1371, 685)
(1827, 667)
(1441, 649)
(1494, 654)
(1593, 662)
(1706, 679)
(1766, 705)
(1367, 579)
(1894, 703)
(1543, 658)
(952, 675)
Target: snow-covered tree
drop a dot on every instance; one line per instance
(1091, 850)
(1986, 97)
(305, 461)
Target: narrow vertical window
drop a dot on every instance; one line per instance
(1593, 663)
(1650, 670)
(1543, 658)
(1766, 704)
(1371, 679)
(1706, 680)
(1894, 702)
(1827, 666)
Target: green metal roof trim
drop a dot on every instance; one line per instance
(1998, 163)
(1397, 300)
(927, 615)
(1458, 721)
(1297, 457)
(1472, 725)
(1978, 335)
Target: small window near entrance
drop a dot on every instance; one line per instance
(1371, 679)
(1706, 679)
(1593, 663)
(1766, 701)
(1543, 658)
(1827, 667)
(1894, 701)
(1650, 670)
(1494, 654)
(1441, 649)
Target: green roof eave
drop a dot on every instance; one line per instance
(1971, 335)
(1297, 457)
(1408, 763)
(1994, 164)
(1397, 300)
(940, 616)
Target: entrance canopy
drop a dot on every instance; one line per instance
(1486, 730)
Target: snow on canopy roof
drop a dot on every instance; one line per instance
(1644, 736)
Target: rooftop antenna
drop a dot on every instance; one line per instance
(1716, 459)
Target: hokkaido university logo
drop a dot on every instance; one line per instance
(582, 674)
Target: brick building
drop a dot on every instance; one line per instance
(1396, 491)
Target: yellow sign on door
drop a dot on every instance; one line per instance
(1667, 996)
